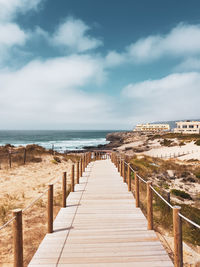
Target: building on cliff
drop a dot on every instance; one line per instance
(152, 127)
(187, 127)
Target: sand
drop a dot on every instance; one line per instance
(186, 152)
(19, 186)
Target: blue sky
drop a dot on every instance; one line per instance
(88, 64)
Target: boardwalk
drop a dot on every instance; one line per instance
(101, 227)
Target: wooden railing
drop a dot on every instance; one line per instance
(120, 163)
(77, 169)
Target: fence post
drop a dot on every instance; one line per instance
(24, 156)
(18, 238)
(81, 168)
(124, 171)
(84, 163)
(137, 196)
(149, 206)
(64, 195)
(120, 167)
(177, 231)
(168, 200)
(72, 179)
(10, 159)
(77, 173)
(129, 178)
(50, 209)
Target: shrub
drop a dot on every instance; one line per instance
(180, 193)
(54, 161)
(181, 143)
(57, 159)
(197, 174)
(166, 142)
(197, 142)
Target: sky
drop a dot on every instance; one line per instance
(98, 64)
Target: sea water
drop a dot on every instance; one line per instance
(61, 140)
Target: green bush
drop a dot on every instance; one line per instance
(180, 193)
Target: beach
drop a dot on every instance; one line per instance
(23, 183)
(20, 186)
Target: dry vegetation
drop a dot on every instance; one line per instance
(20, 185)
(157, 170)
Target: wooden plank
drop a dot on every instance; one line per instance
(101, 227)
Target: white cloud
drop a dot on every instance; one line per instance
(10, 8)
(46, 93)
(73, 34)
(183, 40)
(114, 59)
(172, 97)
(189, 64)
(11, 35)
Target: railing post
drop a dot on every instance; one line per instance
(72, 178)
(81, 168)
(10, 159)
(24, 156)
(50, 209)
(149, 206)
(85, 160)
(84, 163)
(120, 167)
(18, 238)
(64, 187)
(137, 192)
(129, 177)
(77, 172)
(177, 231)
(124, 171)
(168, 200)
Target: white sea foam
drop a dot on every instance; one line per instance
(64, 145)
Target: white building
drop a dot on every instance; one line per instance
(152, 127)
(188, 127)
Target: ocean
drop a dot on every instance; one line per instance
(61, 140)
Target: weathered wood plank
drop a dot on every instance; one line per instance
(101, 227)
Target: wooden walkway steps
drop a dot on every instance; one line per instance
(101, 227)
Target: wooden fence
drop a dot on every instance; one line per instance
(125, 170)
(122, 165)
(77, 171)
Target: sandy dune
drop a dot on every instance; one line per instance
(186, 152)
(19, 186)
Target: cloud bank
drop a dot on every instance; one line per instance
(181, 42)
(172, 97)
(53, 92)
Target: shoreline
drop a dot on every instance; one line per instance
(44, 166)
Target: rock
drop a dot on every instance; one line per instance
(170, 173)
